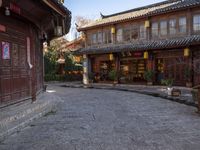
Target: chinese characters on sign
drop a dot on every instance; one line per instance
(5, 50)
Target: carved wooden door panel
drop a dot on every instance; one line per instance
(14, 71)
(174, 69)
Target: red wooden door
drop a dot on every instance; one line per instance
(14, 71)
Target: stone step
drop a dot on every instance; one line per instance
(16, 117)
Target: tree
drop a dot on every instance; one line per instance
(81, 21)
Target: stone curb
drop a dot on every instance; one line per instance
(174, 99)
(22, 125)
(24, 118)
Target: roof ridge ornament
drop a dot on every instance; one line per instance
(102, 16)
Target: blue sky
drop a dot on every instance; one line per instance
(92, 8)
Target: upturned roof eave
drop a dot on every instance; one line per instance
(134, 18)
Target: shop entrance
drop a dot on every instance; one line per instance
(132, 70)
(105, 68)
(170, 68)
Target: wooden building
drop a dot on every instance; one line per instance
(163, 37)
(24, 26)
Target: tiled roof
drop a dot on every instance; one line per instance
(68, 16)
(150, 10)
(151, 45)
(62, 7)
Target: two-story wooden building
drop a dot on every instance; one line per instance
(163, 37)
(24, 26)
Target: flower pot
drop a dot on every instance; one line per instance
(169, 91)
(176, 92)
(149, 83)
(115, 83)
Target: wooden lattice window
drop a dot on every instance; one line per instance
(163, 28)
(99, 36)
(94, 38)
(142, 32)
(134, 32)
(196, 23)
(107, 37)
(172, 26)
(127, 34)
(182, 25)
(154, 30)
(119, 35)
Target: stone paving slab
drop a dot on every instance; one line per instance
(15, 117)
(157, 91)
(93, 119)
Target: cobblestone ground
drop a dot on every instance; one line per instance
(89, 119)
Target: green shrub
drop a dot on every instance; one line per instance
(148, 75)
(167, 82)
(112, 75)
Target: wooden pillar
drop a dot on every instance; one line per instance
(117, 66)
(85, 69)
(32, 56)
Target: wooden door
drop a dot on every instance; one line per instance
(170, 64)
(14, 70)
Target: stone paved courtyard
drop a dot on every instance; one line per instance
(91, 119)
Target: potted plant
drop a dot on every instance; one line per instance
(168, 82)
(148, 75)
(188, 76)
(113, 76)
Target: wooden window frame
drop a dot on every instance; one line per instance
(160, 32)
(142, 33)
(172, 28)
(179, 25)
(135, 30)
(127, 34)
(154, 36)
(195, 31)
(119, 36)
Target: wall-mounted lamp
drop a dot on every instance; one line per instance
(146, 55)
(111, 57)
(113, 30)
(186, 52)
(7, 11)
(147, 24)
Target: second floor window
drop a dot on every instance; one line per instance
(182, 25)
(196, 23)
(107, 37)
(154, 30)
(134, 33)
(99, 37)
(119, 35)
(172, 26)
(94, 38)
(163, 28)
(142, 32)
(127, 36)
